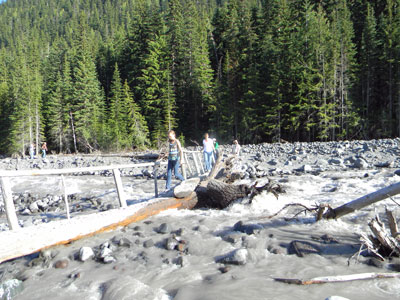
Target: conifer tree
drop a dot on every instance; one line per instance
(88, 98)
(117, 115)
(136, 123)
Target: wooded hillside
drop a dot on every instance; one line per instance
(111, 75)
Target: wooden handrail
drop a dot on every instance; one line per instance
(7, 194)
(72, 170)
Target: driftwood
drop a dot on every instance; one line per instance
(382, 243)
(339, 278)
(363, 201)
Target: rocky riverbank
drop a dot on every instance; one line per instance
(208, 254)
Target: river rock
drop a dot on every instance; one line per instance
(236, 257)
(109, 259)
(302, 248)
(61, 264)
(186, 187)
(10, 288)
(360, 163)
(232, 237)
(306, 168)
(123, 242)
(85, 253)
(171, 243)
(247, 228)
(33, 207)
(163, 228)
(105, 252)
(181, 261)
(149, 243)
(335, 161)
(384, 164)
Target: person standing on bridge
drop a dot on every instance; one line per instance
(208, 149)
(174, 155)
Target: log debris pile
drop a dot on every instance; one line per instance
(382, 243)
(218, 190)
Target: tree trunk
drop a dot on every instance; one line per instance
(219, 194)
(363, 201)
(73, 131)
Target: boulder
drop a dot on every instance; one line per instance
(163, 228)
(360, 163)
(171, 243)
(186, 187)
(85, 253)
(236, 257)
(302, 248)
(247, 228)
(149, 243)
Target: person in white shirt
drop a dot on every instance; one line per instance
(235, 148)
(208, 148)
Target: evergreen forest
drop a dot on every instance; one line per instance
(116, 75)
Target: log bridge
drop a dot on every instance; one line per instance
(18, 241)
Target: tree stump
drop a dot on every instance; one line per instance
(218, 194)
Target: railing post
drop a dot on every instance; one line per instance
(201, 157)
(65, 196)
(183, 166)
(156, 164)
(196, 164)
(187, 163)
(9, 203)
(120, 189)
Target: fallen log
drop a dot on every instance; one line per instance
(339, 278)
(363, 201)
(27, 240)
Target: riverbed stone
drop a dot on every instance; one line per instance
(360, 163)
(61, 264)
(247, 228)
(85, 253)
(233, 237)
(124, 242)
(171, 243)
(163, 228)
(149, 243)
(302, 248)
(109, 259)
(33, 207)
(236, 257)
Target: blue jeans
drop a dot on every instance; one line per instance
(173, 165)
(207, 160)
(43, 153)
